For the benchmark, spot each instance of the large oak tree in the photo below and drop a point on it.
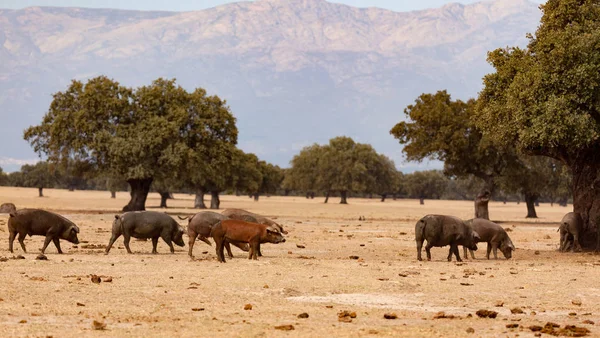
(143, 134)
(545, 99)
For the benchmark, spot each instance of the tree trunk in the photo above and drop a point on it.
(307, 195)
(214, 200)
(530, 200)
(139, 193)
(41, 192)
(344, 195)
(312, 195)
(481, 205)
(113, 194)
(256, 197)
(199, 200)
(383, 196)
(327, 197)
(586, 199)
(164, 195)
(370, 196)
(563, 202)
(421, 200)
(394, 197)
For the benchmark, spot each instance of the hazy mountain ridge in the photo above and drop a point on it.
(294, 71)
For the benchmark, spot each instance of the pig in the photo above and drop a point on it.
(200, 226)
(236, 231)
(570, 226)
(146, 224)
(7, 208)
(41, 223)
(248, 216)
(442, 230)
(251, 217)
(495, 236)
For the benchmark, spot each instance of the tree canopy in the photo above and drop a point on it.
(545, 99)
(143, 134)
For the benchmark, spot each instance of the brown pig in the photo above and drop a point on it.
(236, 231)
(200, 226)
(41, 223)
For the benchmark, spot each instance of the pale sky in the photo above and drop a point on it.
(191, 5)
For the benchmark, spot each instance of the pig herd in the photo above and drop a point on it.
(247, 231)
(239, 227)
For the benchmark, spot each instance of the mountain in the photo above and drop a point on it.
(294, 72)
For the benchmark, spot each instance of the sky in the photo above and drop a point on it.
(191, 5)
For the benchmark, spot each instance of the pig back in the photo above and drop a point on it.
(37, 221)
(145, 222)
(573, 220)
(241, 231)
(487, 230)
(445, 230)
(203, 222)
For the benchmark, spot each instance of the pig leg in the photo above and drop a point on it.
(228, 248)
(11, 239)
(489, 250)
(419, 247)
(465, 252)
(113, 238)
(454, 250)
(428, 250)
(126, 239)
(192, 235)
(576, 245)
(254, 248)
(21, 239)
(495, 248)
(57, 244)
(154, 245)
(472, 254)
(46, 242)
(219, 246)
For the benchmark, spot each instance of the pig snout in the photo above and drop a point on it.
(178, 240)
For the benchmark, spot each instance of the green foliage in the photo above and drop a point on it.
(40, 175)
(344, 166)
(545, 99)
(4, 180)
(463, 188)
(430, 184)
(271, 178)
(440, 128)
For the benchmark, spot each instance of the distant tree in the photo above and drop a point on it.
(429, 184)
(271, 179)
(114, 184)
(141, 135)
(463, 188)
(4, 180)
(303, 173)
(442, 129)
(383, 177)
(39, 175)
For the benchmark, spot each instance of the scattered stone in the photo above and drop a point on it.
(96, 325)
(108, 280)
(516, 310)
(514, 272)
(392, 315)
(329, 306)
(303, 315)
(41, 257)
(96, 279)
(499, 304)
(486, 314)
(535, 328)
(80, 304)
(196, 309)
(3, 259)
(587, 321)
(19, 257)
(466, 284)
(470, 330)
(346, 316)
(547, 237)
(22, 321)
(443, 315)
(248, 307)
(299, 246)
(573, 314)
(508, 229)
(512, 326)
(265, 286)
(576, 302)
(354, 257)
(537, 252)
(285, 327)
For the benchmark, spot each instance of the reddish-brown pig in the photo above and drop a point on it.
(236, 231)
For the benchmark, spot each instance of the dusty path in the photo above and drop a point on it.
(164, 294)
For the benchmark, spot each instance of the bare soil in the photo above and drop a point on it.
(330, 263)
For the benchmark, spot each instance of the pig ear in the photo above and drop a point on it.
(272, 229)
(476, 235)
(117, 216)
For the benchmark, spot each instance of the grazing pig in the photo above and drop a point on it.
(570, 226)
(236, 231)
(42, 223)
(441, 230)
(146, 224)
(495, 236)
(200, 226)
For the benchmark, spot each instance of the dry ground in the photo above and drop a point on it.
(172, 295)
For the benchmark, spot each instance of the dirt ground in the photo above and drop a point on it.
(313, 272)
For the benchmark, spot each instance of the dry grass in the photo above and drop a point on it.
(172, 295)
